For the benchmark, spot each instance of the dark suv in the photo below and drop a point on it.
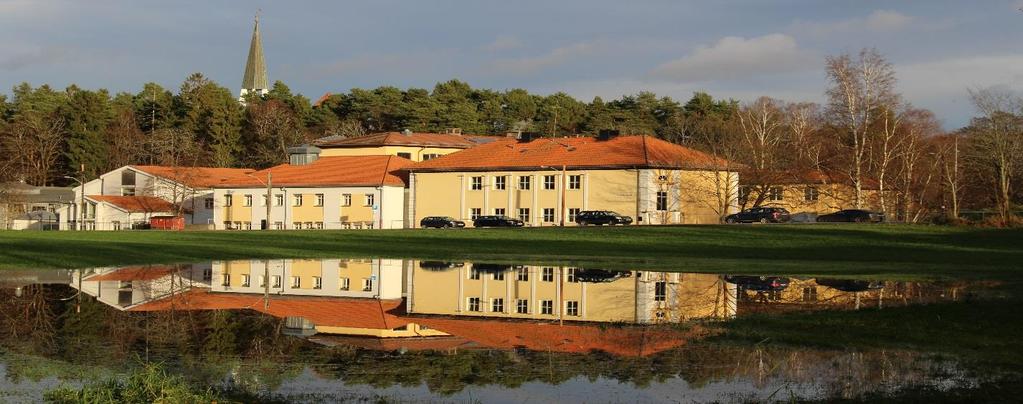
(496, 221)
(852, 215)
(599, 217)
(759, 214)
(440, 222)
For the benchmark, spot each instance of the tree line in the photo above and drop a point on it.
(865, 134)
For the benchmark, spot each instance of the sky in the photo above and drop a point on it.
(739, 49)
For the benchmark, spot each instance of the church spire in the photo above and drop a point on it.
(255, 79)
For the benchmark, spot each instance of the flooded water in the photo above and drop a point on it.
(433, 331)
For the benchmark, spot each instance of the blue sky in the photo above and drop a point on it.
(740, 48)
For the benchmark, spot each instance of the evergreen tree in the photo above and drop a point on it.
(87, 115)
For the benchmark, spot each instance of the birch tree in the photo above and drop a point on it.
(996, 141)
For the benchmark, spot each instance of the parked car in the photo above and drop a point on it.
(758, 283)
(496, 221)
(600, 217)
(759, 214)
(440, 222)
(594, 275)
(850, 285)
(852, 215)
(440, 265)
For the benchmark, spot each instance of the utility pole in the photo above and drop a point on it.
(269, 191)
(564, 181)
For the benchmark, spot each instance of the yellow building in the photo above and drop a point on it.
(807, 194)
(544, 180)
(414, 146)
(312, 192)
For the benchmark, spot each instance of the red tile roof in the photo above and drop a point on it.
(330, 171)
(448, 140)
(135, 204)
(575, 153)
(195, 177)
(133, 274)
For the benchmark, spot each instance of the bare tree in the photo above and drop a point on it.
(126, 141)
(761, 125)
(34, 141)
(889, 141)
(803, 121)
(951, 170)
(859, 88)
(271, 129)
(997, 142)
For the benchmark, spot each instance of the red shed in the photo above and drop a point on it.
(167, 223)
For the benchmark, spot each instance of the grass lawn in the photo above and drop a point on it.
(862, 250)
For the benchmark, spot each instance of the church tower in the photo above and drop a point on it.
(255, 79)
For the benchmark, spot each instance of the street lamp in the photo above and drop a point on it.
(269, 192)
(564, 179)
(79, 216)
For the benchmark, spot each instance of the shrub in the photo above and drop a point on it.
(150, 384)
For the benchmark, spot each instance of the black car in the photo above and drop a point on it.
(496, 221)
(594, 275)
(759, 283)
(600, 217)
(850, 285)
(440, 222)
(440, 265)
(852, 216)
(759, 214)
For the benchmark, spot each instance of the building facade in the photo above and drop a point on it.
(808, 194)
(545, 180)
(415, 146)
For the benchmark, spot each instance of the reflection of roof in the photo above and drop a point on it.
(321, 311)
(135, 204)
(394, 344)
(444, 140)
(133, 274)
(574, 152)
(332, 171)
(195, 177)
(544, 336)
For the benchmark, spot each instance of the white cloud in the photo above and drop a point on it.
(503, 43)
(877, 21)
(555, 57)
(736, 57)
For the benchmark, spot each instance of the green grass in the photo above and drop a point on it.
(864, 250)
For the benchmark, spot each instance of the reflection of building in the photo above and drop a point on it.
(644, 177)
(572, 294)
(126, 288)
(366, 278)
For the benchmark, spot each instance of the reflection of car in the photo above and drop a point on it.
(852, 215)
(849, 285)
(496, 221)
(759, 214)
(440, 222)
(440, 265)
(600, 217)
(594, 275)
(760, 283)
(485, 267)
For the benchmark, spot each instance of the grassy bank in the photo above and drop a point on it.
(893, 250)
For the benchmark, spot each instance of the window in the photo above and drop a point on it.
(548, 274)
(238, 225)
(319, 200)
(523, 274)
(662, 200)
(298, 200)
(570, 275)
(546, 307)
(262, 281)
(367, 284)
(774, 194)
(227, 280)
(208, 203)
(500, 182)
(344, 283)
(318, 225)
(497, 305)
(317, 282)
(475, 213)
(548, 182)
(278, 200)
(296, 282)
(474, 304)
(477, 183)
(524, 182)
(522, 306)
(572, 308)
(128, 177)
(296, 225)
(346, 200)
(499, 211)
(405, 155)
(430, 156)
(498, 276)
(548, 215)
(810, 294)
(660, 291)
(245, 280)
(572, 213)
(247, 225)
(575, 182)
(743, 194)
(474, 274)
(263, 200)
(275, 281)
(248, 200)
(524, 215)
(128, 191)
(370, 199)
(308, 225)
(811, 194)
(207, 274)
(227, 200)
(116, 224)
(278, 225)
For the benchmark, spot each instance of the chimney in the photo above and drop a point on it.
(453, 131)
(526, 137)
(607, 134)
(304, 154)
(407, 132)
